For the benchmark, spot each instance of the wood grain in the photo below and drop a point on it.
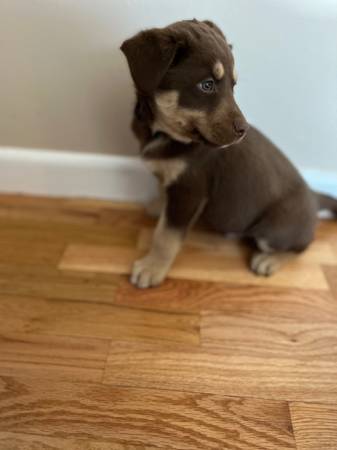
(210, 370)
(84, 319)
(139, 417)
(195, 296)
(40, 207)
(212, 359)
(331, 275)
(49, 282)
(275, 334)
(193, 264)
(24, 441)
(115, 260)
(315, 425)
(50, 232)
(54, 357)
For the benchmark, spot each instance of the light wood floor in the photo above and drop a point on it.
(215, 358)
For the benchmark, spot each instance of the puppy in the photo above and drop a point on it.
(212, 166)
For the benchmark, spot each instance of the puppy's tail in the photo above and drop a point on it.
(328, 203)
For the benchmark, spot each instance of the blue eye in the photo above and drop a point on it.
(207, 86)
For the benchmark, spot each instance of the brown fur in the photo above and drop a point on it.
(251, 188)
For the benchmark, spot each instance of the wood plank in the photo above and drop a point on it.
(25, 202)
(331, 275)
(49, 282)
(52, 356)
(45, 209)
(315, 425)
(193, 264)
(16, 251)
(289, 338)
(24, 441)
(164, 419)
(99, 320)
(319, 252)
(171, 296)
(115, 260)
(125, 218)
(40, 232)
(75, 211)
(214, 371)
(326, 231)
(193, 296)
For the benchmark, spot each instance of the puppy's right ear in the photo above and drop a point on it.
(149, 55)
(215, 28)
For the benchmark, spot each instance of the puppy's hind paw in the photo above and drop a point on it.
(264, 264)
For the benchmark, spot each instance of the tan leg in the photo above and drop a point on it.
(265, 264)
(152, 269)
(155, 206)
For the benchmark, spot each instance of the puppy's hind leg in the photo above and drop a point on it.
(285, 231)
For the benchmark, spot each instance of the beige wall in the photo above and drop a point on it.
(64, 84)
(63, 80)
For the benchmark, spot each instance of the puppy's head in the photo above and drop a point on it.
(187, 70)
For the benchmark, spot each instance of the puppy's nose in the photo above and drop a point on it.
(240, 127)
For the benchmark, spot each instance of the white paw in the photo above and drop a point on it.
(147, 272)
(264, 264)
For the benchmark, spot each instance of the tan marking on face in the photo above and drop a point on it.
(235, 74)
(168, 171)
(218, 70)
(178, 122)
(172, 118)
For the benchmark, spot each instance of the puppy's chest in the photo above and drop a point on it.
(167, 170)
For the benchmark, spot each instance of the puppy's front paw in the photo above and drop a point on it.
(264, 264)
(148, 272)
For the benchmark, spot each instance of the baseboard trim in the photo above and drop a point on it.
(70, 174)
(111, 177)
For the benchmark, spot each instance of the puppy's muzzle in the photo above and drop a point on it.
(240, 127)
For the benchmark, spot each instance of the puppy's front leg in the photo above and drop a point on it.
(156, 206)
(166, 243)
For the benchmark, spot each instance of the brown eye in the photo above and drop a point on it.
(207, 86)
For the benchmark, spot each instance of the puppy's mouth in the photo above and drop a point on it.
(235, 142)
(199, 137)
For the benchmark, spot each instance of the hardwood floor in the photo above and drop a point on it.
(215, 358)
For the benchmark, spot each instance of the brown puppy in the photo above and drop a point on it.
(186, 119)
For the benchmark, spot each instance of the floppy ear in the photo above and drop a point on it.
(218, 31)
(149, 55)
(215, 28)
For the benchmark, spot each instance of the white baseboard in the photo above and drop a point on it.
(69, 174)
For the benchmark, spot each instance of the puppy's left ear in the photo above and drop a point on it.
(149, 55)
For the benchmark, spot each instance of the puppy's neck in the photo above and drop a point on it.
(156, 143)
(146, 116)
(162, 146)
(160, 126)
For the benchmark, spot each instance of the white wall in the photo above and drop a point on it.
(64, 84)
